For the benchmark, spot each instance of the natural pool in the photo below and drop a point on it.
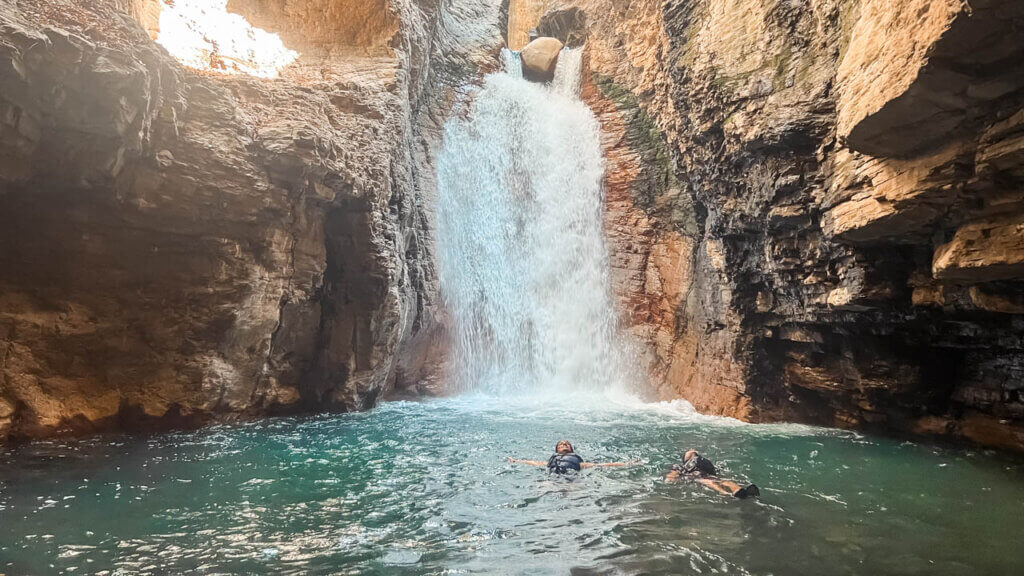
(424, 488)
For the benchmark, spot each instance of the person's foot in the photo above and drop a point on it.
(751, 490)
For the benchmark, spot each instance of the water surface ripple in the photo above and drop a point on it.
(424, 488)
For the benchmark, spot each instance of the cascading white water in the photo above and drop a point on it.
(512, 63)
(522, 259)
(568, 75)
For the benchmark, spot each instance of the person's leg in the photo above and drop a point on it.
(730, 485)
(717, 486)
(730, 488)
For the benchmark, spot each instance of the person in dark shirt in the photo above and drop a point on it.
(565, 460)
(699, 468)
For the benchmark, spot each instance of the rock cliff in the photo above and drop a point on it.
(178, 246)
(815, 209)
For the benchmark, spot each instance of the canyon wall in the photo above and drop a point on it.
(815, 208)
(180, 246)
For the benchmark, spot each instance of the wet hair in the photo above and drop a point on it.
(691, 453)
(571, 449)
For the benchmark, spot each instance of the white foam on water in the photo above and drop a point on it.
(610, 407)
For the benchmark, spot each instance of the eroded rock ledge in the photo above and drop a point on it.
(815, 210)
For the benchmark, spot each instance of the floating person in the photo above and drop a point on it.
(565, 459)
(699, 468)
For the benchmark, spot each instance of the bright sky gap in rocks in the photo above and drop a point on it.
(203, 35)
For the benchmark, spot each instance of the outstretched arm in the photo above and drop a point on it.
(603, 464)
(527, 462)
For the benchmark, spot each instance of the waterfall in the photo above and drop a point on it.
(512, 63)
(522, 260)
(568, 73)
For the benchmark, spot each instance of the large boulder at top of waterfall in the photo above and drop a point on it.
(540, 58)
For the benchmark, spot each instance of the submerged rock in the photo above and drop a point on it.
(540, 58)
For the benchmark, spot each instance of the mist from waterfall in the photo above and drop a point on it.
(521, 253)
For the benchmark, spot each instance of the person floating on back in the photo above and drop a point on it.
(699, 468)
(564, 460)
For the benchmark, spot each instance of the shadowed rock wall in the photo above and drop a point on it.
(179, 246)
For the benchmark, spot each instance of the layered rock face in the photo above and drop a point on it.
(179, 246)
(815, 210)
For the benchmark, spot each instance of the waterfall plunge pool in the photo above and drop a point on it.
(424, 488)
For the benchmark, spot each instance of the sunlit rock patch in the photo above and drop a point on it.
(203, 35)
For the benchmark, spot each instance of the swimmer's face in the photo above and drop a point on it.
(689, 454)
(563, 447)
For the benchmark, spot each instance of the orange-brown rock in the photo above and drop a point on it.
(523, 16)
(888, 47)
(326, 27)
(992, 298)
(983, 250)
(893, 199)
(987, 430)
(901, 93)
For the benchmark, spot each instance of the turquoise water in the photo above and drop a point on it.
(424, 488)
